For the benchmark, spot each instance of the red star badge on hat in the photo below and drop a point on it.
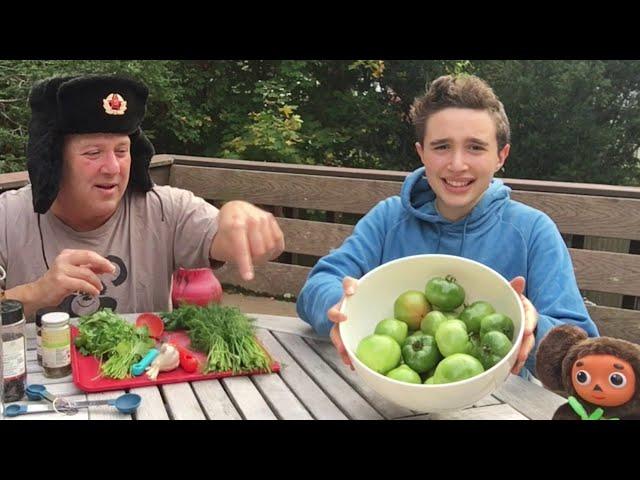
(114, 104)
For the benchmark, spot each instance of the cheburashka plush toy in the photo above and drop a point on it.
(599, 375)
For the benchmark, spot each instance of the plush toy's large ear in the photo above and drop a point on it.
(551, 352)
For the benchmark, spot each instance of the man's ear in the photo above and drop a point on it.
(502, 157)
(552, 350)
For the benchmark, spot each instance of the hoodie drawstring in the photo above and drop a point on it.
(439, 237)
(464, 234)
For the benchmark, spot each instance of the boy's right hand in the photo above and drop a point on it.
(349, 285)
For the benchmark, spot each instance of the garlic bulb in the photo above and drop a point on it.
(168, 359)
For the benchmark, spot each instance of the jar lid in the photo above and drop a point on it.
(43, 311)
(55, 318)
(11, 311)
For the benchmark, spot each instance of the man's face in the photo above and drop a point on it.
(460, 154)
(95, 173)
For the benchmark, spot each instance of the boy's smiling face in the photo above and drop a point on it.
(460, 155)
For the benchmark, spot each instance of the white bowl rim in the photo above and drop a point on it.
(517, 341)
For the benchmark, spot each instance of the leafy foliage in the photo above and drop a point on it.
(571, 120)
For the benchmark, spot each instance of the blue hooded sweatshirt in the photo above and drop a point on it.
(510, 237)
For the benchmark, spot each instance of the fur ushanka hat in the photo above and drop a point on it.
(83, 104)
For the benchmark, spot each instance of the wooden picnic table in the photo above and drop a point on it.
(313, 383)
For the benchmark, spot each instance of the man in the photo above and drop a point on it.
(92, 230)
(462, 138)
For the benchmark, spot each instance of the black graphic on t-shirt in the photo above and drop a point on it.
(78, 304)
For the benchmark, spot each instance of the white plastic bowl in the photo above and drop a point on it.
(373, 301)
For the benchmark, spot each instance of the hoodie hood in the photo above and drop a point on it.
(419, 200)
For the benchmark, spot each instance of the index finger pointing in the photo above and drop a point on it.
(242, 253)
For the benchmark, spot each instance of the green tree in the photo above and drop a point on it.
(570, 120)
(173, 119)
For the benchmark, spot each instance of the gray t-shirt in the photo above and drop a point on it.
(147, 238)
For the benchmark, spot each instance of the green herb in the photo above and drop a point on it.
(117, 343)
(225, 333)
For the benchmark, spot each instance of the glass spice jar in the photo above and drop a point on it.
(56, 345)
(39, 315)
(14, 350)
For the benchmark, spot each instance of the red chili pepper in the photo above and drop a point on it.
(188, 361)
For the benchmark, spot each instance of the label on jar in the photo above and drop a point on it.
(56, 348)
(13, 358)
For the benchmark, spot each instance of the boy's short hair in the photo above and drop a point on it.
(460, 91)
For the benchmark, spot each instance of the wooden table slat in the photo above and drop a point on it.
(38, 377)
(181, 402)
(281, 399)
(152, 406)
(215, 401)
(248, 399)
(330, 355)
(529, 399)
(491, 412)
(314, 399)
(486, 401)
(336, 388)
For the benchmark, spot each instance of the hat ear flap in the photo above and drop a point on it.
(44, 163)
(45, 143)
(141, 153)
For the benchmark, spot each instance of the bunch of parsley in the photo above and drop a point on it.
(117, 343)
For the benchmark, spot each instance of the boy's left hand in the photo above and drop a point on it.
(530, 322)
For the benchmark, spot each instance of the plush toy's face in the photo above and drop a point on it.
(603, 380)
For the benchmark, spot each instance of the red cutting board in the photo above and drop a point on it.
(87, 377)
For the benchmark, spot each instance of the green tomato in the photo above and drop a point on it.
(494, 346)
(459, 366)
(429, 381)
(498, 322)
(403, 373)
(458, 322)
(420, 352)
(444, 293)
(428, 374)
(410, 308)
(452, 337)
(380, 353)
(474, 346)
(431, 322)
(474, 313)
(448, 313)
(394, 328)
